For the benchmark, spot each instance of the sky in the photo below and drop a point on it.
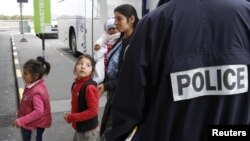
(11, 7)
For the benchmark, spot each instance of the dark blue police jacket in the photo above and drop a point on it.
(187, 67)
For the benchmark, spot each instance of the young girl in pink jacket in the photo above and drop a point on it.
(34, 114)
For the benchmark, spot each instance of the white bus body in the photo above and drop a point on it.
(80, 25)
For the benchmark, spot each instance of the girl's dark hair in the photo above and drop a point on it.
(38, 66)
(90, 58)
(128, 11)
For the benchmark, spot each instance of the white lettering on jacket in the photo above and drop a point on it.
(216, 80)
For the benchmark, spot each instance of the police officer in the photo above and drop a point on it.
(187, 68)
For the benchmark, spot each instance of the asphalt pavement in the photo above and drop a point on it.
(8, 99)
(58, 81)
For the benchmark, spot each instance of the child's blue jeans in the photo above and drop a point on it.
(27, 134)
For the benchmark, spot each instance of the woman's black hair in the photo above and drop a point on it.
(128, 11)
(38, 66)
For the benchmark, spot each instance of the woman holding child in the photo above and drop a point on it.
(125, 20)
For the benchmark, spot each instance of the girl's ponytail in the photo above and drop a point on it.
(47, 67)
(45, 64)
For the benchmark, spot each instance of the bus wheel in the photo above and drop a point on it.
(73, 44)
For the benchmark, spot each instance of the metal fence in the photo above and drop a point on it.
(16, 25)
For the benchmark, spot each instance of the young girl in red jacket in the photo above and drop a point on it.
(84, 111)
(34, 114)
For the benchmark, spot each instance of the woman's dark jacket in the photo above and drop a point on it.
(110, 85)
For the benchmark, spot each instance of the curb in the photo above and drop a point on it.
(17, 70)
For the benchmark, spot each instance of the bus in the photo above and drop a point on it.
(80, 22)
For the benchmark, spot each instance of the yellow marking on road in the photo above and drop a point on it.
(20, 90)
(18, 73)
(16, 61)
(15, 53)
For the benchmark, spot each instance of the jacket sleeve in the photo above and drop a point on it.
(92, 104)
(102, 40)
(35, 114)
(131, 86)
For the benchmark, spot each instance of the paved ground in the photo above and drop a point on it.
(59, 80)
(8, 99)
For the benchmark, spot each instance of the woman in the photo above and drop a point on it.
(125, 20)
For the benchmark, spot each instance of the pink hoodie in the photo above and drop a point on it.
(35, 108)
